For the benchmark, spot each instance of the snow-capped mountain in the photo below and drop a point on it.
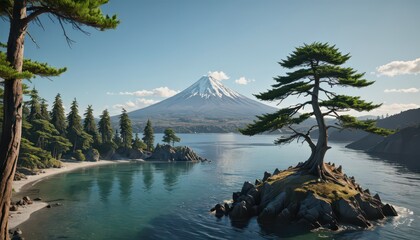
(205, 106)
(206, 98)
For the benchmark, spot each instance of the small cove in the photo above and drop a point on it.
(172, 200)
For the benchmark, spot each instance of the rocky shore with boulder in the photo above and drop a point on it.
(168, 153)
(294, 197)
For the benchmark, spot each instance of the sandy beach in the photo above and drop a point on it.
(24, 212)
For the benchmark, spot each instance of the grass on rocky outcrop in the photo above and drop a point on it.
(299, 182)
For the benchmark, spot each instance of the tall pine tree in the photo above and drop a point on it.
(58, 117)
(89, 125)
(79, 138)
(318, 66)
(126, 130)
(105, 127)
(20, 13)
(148, 136)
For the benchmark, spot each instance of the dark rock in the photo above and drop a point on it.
(277, 171)
(168, 153)
(19, 176)
(235, 196)
(246, 187)
(227, 208)
(377, 197)
(285, 216)
(257, 182)
(312, 208)
(273, 208)
(266, 176)
(256, 195)
(348, 213)
(239, 211)
(27, 200)
(389, 210)
(340, 169)
(370, 211)
(14, 208)
(38, 199)
(266, 194)
(48, 206)
(220, 210)
(366, 191)
(17, 232)
(92, 155)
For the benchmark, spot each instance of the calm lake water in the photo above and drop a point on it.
(172, 200)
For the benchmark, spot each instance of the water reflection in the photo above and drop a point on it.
(105, 182)
(410, 162)
(125, 181)
(172, 171)
(147, 171)
(82, 188)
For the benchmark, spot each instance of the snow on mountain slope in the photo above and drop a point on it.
(206, 98)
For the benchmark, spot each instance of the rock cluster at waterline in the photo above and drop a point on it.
(169, 153)
(294, 197)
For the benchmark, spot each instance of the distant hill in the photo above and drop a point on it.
(205, 106)
(402, 120)
(404, 142)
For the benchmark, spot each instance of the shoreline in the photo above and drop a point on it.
(23, 214)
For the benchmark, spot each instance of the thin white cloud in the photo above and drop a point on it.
(157, 92)
(243, 81)
(402, 90)
(395, 68)
(218, 75)
(393, 108)
(137, 104)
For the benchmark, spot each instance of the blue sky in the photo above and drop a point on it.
(162, 47)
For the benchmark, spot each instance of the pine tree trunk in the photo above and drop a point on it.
(316, 163)
(12, 122)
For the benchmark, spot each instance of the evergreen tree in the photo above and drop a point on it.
(319, 66)
(58, 118)
(117, 139)
(105, 127)
(79, 138)
(126, 130)
(148, 136)
(137, 143)
(170, 136)
(44, 110)
(89, 125)
(34, 106)
(14, 69)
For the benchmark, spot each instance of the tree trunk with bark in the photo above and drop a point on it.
(315, 163)
(12, 122)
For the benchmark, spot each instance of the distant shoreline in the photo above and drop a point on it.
(18, 217)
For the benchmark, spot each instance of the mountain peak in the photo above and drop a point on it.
(208, 87)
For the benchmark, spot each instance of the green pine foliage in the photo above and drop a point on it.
(126, 130)
(148, 136)
(138, 144)
(34, 106)
(44, 110)
(75, 133)
(170, 137)
(117, 139)
(105, 127)
(58, 118)
(89, 125)
(318, 65)
(313, 68)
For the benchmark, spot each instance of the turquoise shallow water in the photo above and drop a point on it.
(172, 200)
